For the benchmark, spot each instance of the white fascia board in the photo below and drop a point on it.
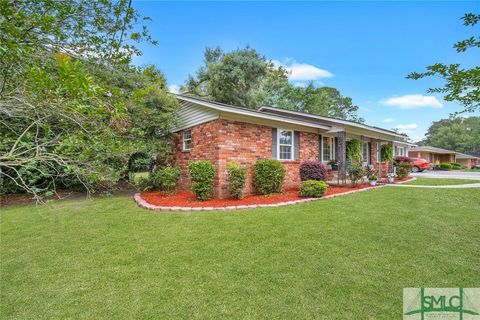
(344, 122)
(255, 114)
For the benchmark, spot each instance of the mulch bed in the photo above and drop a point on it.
(187, 199)
(397, 180)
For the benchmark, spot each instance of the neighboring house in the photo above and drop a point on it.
(467, 160)
(223, 133)
(432, 154)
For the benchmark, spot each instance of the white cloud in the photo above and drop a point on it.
(365, 109)
(413, 101)
(388, 120)
(303, 71)
(173, 88)
(407, 128)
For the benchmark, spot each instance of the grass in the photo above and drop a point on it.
(440, 182)
(346, 258)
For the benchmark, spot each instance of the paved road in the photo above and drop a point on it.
(448, 175)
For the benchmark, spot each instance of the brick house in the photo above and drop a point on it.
(432, 154)
(223, 133)
(467, 160)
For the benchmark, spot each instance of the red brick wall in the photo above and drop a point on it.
(223, 141)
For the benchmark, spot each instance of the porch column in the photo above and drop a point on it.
(379, 158)
(341, 156)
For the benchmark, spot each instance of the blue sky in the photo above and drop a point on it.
(365, 49)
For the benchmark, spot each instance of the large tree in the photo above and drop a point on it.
(462, 84)
(245, 78)
(458, 134)
(72, 108)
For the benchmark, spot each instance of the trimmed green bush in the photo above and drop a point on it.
(353, 149)
(202, 174)
(313, 188)
(456, 166)
(403, 169)
(166, 178)
(445, 166)
(268, 176)
(237, 178)
(386, 152)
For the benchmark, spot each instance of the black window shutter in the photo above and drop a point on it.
(320, 147)
(369, 144)
(296, 145)
(274, 143)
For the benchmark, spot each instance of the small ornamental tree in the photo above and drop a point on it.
(202, 174)
(356, 173)
(237, 177)
(313, 170)
(268, 176)
(403, 169)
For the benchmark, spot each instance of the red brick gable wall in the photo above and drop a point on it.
(223, 141)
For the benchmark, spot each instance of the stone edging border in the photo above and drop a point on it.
(142, 203)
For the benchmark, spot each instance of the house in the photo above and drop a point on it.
(223, 133)
(467, 160)
(432, 154)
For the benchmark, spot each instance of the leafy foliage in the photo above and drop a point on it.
(268, 176)
(355, 173)
(461, 84)
(459, 134)
(313, 188)
(237, 178)
(245, 78)
(165, 179)
(202, 174)
(403, 169)
(353, 151)
(72, 109)
(386, 152)
(445, 166)
(313, 170)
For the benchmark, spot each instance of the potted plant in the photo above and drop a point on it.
(334, 164)
(372, 179)
(390, 177)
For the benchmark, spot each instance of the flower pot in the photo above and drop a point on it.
(390, 179)
(373, 182)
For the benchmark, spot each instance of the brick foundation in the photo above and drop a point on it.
(222, 141)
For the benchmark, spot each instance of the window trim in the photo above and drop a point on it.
(365, 151)
(292, 151)
(184, 140)
(332, 151)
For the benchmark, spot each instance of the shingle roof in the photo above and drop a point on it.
(466, 156)
(432, 149)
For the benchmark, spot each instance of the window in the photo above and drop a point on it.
(187, 139)
(285, 144)
(365, 153)
(327, 149)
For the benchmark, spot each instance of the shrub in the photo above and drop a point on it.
(353, 149)
(399, 159)
(312, 188)
(313, 170)
(237, 177)
(201, 177)
(166, 178)
(268, 176)
(403, 169)
(372, 177)
(456, 166)
(386, 152)
(445, 166)
(355, 172)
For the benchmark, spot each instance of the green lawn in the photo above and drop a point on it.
(345, 258)
(440, 181)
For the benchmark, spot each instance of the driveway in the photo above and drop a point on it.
(447, 174)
